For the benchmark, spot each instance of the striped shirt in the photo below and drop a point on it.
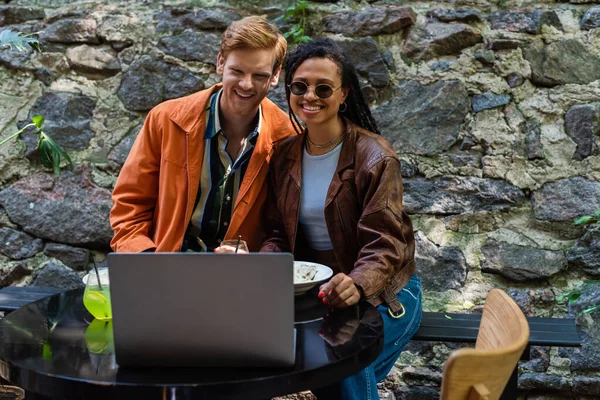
(220, 180)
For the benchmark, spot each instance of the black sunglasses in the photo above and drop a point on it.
(322, 90)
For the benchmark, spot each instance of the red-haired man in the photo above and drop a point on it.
(196, 174)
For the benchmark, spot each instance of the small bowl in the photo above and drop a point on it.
(323, 273)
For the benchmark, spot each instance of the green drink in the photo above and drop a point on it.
(97, 301)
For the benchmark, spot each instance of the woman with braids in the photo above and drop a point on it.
(335, 197)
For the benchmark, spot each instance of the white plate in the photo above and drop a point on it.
(323, 273)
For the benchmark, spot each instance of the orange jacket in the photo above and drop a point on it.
(154, 196)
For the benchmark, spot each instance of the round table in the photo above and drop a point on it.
(44, 349)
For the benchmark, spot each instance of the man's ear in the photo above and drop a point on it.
(275, 77)
(220, 63)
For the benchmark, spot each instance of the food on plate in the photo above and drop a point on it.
(304, 272)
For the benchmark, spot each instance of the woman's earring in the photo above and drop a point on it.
(345, 107)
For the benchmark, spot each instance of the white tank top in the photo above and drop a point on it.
(317, 172)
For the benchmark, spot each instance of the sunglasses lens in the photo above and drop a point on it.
(323, 91)
(298, 88)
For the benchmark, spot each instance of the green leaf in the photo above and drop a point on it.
(573, 297)
(583, 220)
(303, 39)
(38, 120)
(591, 309)
(51, 154)
(10, 39)
(289, 14)
(597, 213)
(447, 316)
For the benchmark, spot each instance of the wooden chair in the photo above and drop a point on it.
(483, 372)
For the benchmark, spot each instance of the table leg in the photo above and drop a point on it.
(35, 396)
(331, 392)
(510, 391)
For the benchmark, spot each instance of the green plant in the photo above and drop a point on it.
(573, 295)
(297, 14)
(588, 219)
(576, 293)
(51, 154)
(20, 41)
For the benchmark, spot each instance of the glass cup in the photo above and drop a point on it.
(96, 297)
(230, 245)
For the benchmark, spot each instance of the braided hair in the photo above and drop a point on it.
(357, 109)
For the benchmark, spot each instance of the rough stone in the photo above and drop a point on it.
(459, 195)
(367, 59)
(589, 385)
(277, 96)
(563, 62)
(582, 124)
(540, 360)
(590, 296)
(489, 100)
(193, 46)
(16, 59)
(585, 253)
(504, 43)
(179, 19)
(587, 357)
(416, 393)
(590, 20)
(515, 79)
(121, 30)
(455, 15)
(120, 152)
(73, 257)
(422, 376)
(370, 21)
(11, 15)
(485, 56)
(524, 21)
(423, 119)
(67, 209)
(12, 273)
(71, 31)
(438, 39)
(18, 245)
(93, 61)
(566, 199)
(58, 276)
(533, 133)
(531, 381)
(433, 261)
(67, 120)
(521, 263)
(149, 81)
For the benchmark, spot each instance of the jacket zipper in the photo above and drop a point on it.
(297, 218)
(187, 172)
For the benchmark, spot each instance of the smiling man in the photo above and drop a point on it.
(196, 174)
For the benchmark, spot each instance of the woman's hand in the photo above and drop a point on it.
(339, 292)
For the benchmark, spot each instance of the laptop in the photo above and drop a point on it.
(203, 309)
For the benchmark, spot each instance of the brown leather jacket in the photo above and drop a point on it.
(372, 236)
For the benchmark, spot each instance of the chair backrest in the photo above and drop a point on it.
(482, 373)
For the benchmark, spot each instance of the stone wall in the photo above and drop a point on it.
(493, 107)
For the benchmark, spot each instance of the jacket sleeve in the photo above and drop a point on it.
(136, 191)
(276, 240)
(380, 227)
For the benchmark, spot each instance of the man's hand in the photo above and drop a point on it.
(229, 249)
(339, 292)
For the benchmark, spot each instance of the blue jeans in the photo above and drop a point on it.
(396, 333)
